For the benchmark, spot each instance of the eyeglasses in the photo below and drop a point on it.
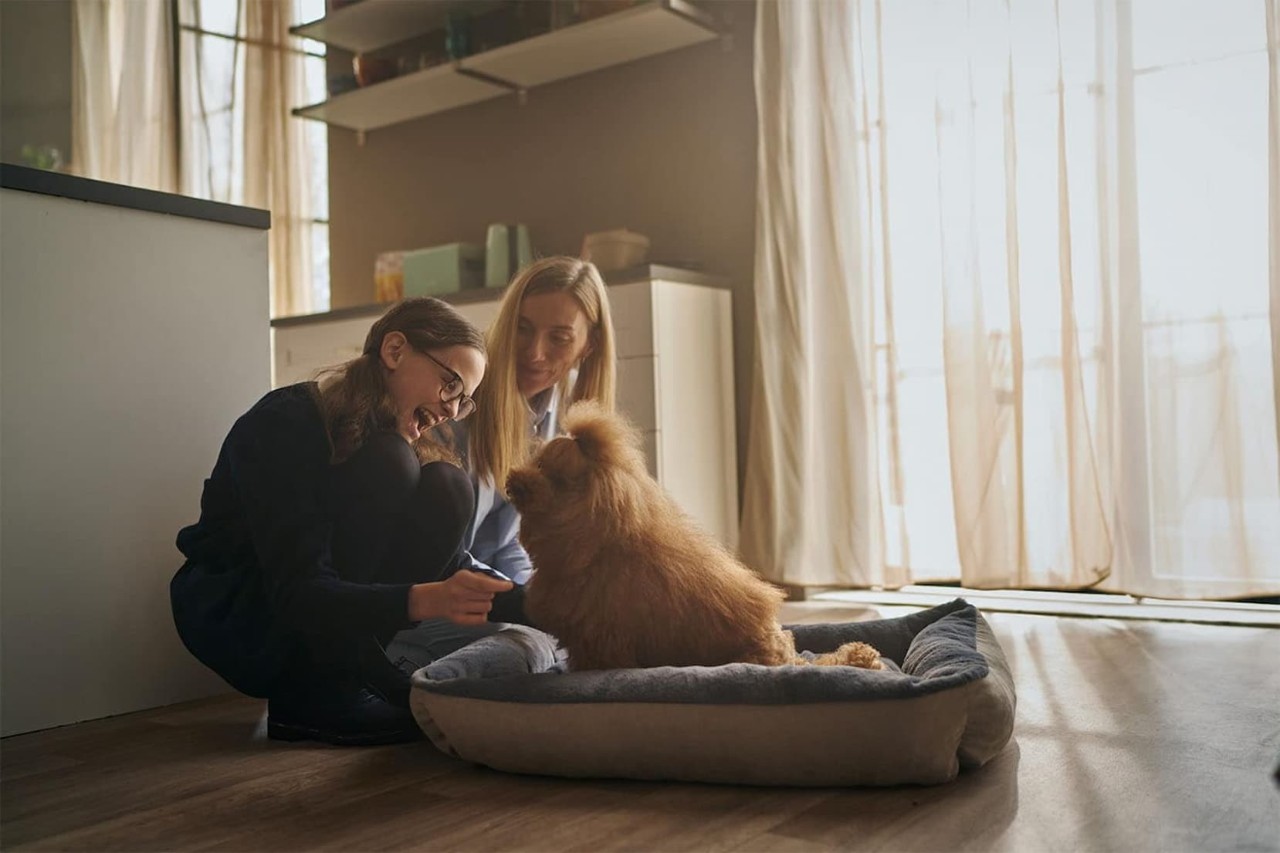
(451, 392)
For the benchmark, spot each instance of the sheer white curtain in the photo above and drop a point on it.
(1061, 227)
(123, 123)
(239, 144)
(812, 504)
(276, 157)
(1273, 172)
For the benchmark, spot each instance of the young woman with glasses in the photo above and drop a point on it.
(551, 345)
(332, 520)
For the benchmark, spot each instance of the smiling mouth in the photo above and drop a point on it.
(425, 419)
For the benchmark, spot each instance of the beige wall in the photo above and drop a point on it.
(35, 76)
(665, 146)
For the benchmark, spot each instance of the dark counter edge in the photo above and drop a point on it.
(13, 177)
(630, 275)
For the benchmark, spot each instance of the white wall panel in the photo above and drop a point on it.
(129, 343)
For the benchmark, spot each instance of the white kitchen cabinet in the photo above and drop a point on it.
(675, 381)
(675, 378)
(134, 333)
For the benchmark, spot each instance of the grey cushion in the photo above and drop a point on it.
(945, 702)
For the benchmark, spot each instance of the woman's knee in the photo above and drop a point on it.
(445, 492)
(385, 466)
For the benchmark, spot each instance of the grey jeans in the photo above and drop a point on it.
(432, 639)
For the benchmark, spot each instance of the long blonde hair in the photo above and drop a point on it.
(499, 431)
(353, 396)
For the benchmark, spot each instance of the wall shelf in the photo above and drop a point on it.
(432, 90)
(609, 40)
(370, 24)
(634, 33)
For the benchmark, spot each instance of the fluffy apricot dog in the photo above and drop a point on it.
(623, 578)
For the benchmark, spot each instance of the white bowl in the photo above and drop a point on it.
(615, 250)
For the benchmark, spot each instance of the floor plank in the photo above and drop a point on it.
(1130, 735)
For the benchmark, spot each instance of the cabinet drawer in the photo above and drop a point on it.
(637, 397)
(632, 308)
(300, 351)
(700, 477)
(480, 314)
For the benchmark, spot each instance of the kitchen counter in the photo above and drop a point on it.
(643, 272)
(135, 331)
(44, 182)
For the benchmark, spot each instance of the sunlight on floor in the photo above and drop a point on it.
(1083, 605)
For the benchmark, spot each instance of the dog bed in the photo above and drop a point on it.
(944, 702)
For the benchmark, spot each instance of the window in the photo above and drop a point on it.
(216, 44)
(1144, 224)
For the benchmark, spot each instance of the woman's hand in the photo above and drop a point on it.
(464, 598)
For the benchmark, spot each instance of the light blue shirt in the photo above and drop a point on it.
(491, 540)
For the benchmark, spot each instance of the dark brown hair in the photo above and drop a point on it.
(353, 396)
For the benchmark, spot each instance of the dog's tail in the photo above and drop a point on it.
(850, 654)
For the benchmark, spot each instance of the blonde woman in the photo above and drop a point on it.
(551, 345)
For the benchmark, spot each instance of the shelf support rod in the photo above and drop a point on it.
(487, 78)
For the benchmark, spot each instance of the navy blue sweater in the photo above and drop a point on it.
(258, 567)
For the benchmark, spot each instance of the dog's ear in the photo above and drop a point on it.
(601, 436)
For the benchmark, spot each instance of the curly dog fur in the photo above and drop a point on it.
(623, 578)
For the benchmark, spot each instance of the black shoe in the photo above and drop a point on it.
(343, 717)
(379, 673)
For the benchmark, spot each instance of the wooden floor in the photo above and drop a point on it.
(1130, 736)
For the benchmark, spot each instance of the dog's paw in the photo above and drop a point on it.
(860, 655)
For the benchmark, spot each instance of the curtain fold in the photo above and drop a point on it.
(239, 143)
(1013, 424)
(275, 152)
(123, 115)
(1023, 271)
(1273, 185)
(811, 504)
